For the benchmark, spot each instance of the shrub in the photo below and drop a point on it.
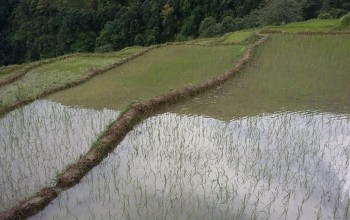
(228, 24)
(324, 15)
(276, 12)
(345, 20)
(180, 38)
(104, 49)
(209, 27)
(139, 40)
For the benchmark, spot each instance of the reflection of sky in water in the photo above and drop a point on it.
(283, 165)
(41, 139)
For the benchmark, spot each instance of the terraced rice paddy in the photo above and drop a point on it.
(56, 136)
(273, 143)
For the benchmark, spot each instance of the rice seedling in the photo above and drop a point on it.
(39, 141)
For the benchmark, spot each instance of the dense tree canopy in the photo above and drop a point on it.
(36, 29)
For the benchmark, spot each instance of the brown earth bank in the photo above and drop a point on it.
(114, 135)
(31, 206)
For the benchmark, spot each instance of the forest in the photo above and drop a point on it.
(38, 29)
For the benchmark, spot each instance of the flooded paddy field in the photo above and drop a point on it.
(272, 143)
(293, 73)
(283, 165)
(39, 140)
(155, 73)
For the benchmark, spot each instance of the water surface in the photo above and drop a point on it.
(272, 166)
(40, 140)
(291, 73)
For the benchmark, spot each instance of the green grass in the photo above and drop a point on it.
(344, 23)
(315, 25)
(56, 74)
(237, 37)
(155, 73)
(296, 73)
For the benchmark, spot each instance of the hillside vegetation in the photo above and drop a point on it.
(38, 29)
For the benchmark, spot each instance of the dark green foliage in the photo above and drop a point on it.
(209, 28)
(324, 15)
(228, 24)
(345, 20)
(277, 12)
(104, 48)
(139, 40)
(37, 29)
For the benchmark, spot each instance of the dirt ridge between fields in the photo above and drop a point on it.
(114, 134)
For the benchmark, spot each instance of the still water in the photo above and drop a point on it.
(40, 140)
(286, 165)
